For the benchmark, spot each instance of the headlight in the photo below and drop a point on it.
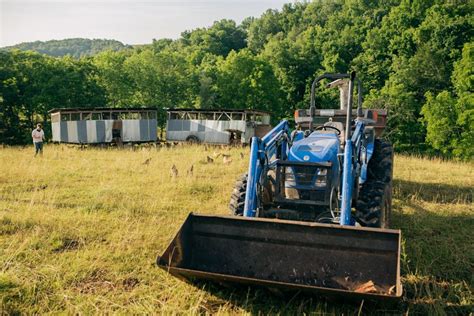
(321, 178)
(290, 177)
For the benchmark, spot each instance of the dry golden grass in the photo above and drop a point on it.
(80, 231)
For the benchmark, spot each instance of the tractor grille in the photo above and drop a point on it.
(304, 183)
(305, 177)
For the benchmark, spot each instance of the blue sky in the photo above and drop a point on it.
(131, 22)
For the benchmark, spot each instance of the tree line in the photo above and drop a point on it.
(74, 47)
(414, 57)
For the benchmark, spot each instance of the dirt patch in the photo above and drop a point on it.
(96, 282)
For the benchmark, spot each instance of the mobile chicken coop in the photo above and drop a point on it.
(104, 125)
(216, 126)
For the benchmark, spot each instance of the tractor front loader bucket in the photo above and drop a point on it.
(331, 260)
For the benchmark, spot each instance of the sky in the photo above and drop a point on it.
(129, 21)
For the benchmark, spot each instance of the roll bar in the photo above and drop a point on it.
(335, 76)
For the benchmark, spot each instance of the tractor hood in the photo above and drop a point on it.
(317, 147)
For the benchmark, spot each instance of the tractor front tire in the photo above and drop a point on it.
(374, 204)
(237, 199)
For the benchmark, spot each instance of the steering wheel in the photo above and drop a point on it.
(324, 127)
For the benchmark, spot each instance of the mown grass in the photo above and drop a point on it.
(80, 231)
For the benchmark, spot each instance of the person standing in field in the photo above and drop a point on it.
(38, 137)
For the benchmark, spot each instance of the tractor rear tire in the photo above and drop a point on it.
(374, 205)
(237, 199)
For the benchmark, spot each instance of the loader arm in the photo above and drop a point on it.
(353, 164)
(351, 146)
(272, 145)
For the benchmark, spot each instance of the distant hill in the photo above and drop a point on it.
(76, 47)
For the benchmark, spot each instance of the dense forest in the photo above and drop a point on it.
(75, 47)
(415, 58)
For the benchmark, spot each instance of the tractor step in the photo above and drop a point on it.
(331, 260)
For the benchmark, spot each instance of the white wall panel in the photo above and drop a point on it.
(91, 127)
(108, 130)
(130, 130)
(56, 130)
(72, 136)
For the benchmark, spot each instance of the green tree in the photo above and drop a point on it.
(10, 88)
(75, 47)
(32, 84)
(161, 80)
(450, 119)
(408, 53)
(439, 114)
(220, 39)
(260, 30)
(245, 81)
(114, 78)
(426, 51)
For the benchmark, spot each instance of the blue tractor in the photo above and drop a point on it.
(311, 214)
(322, 170)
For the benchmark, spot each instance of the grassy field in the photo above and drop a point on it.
(80, 231)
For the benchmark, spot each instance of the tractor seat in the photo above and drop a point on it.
(337, 125)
